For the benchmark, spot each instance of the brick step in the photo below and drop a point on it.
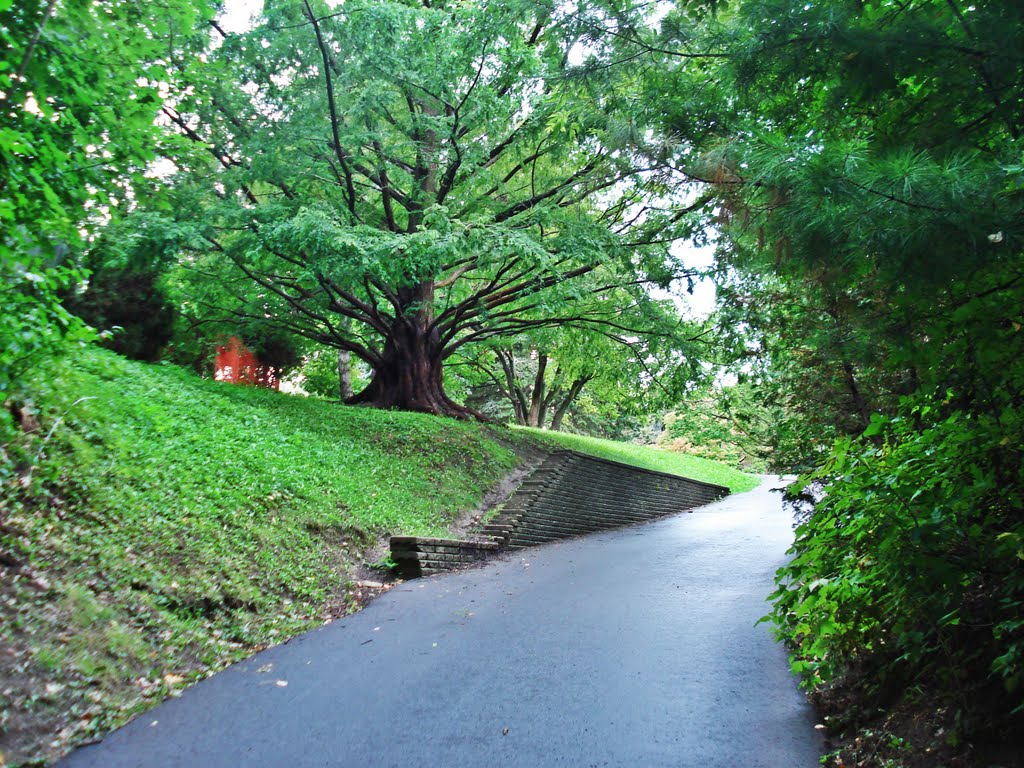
(434, 557)
(614, 486)
(555, 527)
(606, 480)
(499, 535)
(497, 530)
(605, 507)
(589, 521)
(471, 549)
(635, 508)
(615, 489)
(592, 512)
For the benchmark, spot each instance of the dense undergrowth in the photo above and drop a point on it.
(904, 600)
(155, 527)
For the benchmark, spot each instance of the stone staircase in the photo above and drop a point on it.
(569, 494)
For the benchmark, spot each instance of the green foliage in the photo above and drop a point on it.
(78, 95)
(441, 183)
(318, 374)
(814, 358)
(872, 211)
(911, 561)
(724, 423)
(131, 307)
(595, 379)
(33, 323)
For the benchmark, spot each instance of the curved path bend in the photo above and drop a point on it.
(635, 647)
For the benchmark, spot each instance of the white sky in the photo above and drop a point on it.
(701, 303)
(238, 14)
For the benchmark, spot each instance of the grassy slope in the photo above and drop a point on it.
(652, 458)
(172, 525)
(175, 524)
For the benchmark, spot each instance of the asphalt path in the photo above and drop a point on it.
(635, 647)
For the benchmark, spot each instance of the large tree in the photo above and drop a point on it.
(399, 181)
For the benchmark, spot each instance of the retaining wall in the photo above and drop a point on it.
(569, 494)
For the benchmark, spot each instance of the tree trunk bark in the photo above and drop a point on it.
(345, 374)
(570, 398)
(536, 415)
(409, 374)
(514, 392)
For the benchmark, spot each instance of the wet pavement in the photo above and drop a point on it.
(636, 647)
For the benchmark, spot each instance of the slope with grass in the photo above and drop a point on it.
(159, 525)
(155, 527)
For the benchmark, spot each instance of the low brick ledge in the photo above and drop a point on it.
(429, 544)
(421, 555)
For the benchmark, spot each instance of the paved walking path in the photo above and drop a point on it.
(635, 647)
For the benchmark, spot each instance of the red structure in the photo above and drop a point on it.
(237, 364)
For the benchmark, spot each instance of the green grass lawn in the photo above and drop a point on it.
(159, 526)
(671, 462)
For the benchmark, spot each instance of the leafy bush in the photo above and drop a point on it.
(910, 564)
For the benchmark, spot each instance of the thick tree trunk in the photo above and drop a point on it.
(409, 374)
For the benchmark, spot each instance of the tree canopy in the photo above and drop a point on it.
(399, 181)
